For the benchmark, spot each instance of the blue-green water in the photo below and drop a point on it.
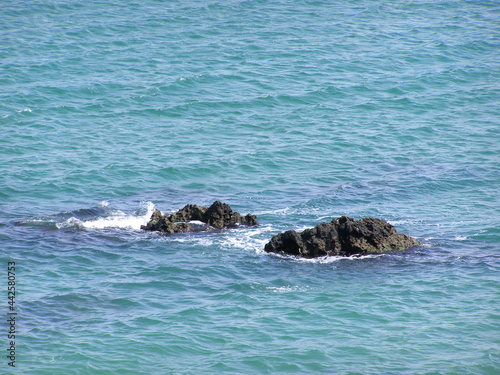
(297, 111)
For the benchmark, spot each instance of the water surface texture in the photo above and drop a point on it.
(296, 111)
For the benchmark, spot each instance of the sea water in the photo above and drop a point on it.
(296, 111)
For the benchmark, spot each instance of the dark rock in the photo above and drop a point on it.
(289, 242)
(343, 236)
(250, 220)
(162, 223)
(219, 215)
(190, 212)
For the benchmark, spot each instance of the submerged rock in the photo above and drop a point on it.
(219, 215)
(343, 236)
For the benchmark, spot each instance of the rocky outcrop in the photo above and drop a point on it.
(219, 215)
(343, 236)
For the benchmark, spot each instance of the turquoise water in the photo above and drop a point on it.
(297, 112)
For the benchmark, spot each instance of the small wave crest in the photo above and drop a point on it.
(109, 219)
(287, 289)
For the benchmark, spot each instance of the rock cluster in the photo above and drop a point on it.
(343, 236)
(219, 215)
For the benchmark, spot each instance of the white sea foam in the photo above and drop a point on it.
(196, 222)
(104, 204)
(280, 211)
(117, 219)
(189, 239)
(125, 221)
(121, 220)
(250, 238)
(326, 259)
(72, 222)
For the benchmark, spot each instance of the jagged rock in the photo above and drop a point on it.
(163, 223)
(219, 215)
(190, 212)
(343, 236)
